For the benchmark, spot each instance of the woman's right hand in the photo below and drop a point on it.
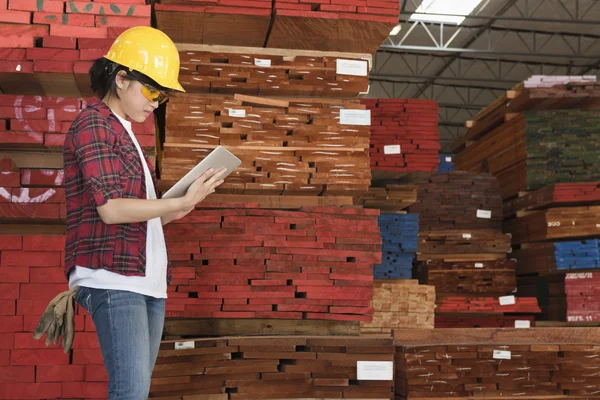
(202, 187)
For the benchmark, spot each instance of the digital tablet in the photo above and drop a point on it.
(217, 159)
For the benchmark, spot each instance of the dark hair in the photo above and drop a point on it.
(102, 77)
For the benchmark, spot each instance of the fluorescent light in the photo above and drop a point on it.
(396, 30)
(433, 10)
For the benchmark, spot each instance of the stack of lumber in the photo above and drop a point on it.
(257, 368)
(497, 363)
(300, 146)
(555, 223)
(400, 304)
(399, 234)
(480, 244)
(238, 261)
(272, 72)
(583, 296)
(446, 162)
(548, 258)
(404, 135)
(459, 200)
(544, 81)
(560, 194)
(392, 197)
(538, 148)
(488, 305)
(348, 25)
(47, 46)
(31, 194)
(484, 277)
(497, 321)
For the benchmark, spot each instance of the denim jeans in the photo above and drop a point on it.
(129, 328)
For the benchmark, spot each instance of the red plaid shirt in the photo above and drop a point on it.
(102, 163)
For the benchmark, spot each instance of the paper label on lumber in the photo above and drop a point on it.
(448, 159)
(507, 300)
(392, 149)
(184, 345)
(501, 355)
(467, 236)
(237, 113)
(355, 117)
(375, 370)
(351, 67)
(261, 62)
(580, 275)
(522, 324)
(478, 265)
(487, 214)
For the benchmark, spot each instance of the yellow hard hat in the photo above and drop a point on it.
(149, 51)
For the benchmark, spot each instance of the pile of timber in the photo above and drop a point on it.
(555, 223)
(473, 321)
(538, 148)
(404, 135)
(258, 368)
(480, 244)
(504, 304)
(495, 277)
(392, 197)
(352, 25)
(400, 304)
(574, 297)
(48, 46)
(549, 258)
(543, 81)
(399, 245)
(459, 200)
(497, 363)
(245, 262)
(31, 194)
(300, 146)
(560, 194)
(272, 72)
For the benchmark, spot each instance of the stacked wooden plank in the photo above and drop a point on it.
(212, 21)
(237, 261)
(548, 258)
(489, 305)
(560, 194)
(470, 321)
(300, 146)
(272, 72)
(538, 148)
(400, 304)
(497, 363)
(399, 234)
(46, 47)
(480, 244)
(555, 223)
(339, 25)
(392, 197)
(544, 81)
(257, 368)
(404, 135)
(583, 296)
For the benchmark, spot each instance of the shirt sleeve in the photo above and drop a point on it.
(93, 144)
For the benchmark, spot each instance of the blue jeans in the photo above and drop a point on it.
(129, 328)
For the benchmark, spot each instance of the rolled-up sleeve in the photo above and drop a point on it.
(93, 145)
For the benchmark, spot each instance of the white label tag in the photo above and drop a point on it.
(375, 370)
(237, 113)
(580, 275)
(507, 300)
(392, 149)
(522, 324)
(448, 159)
(501, 355)
(184, 345)
(351, 67)
(478, 265)
(261, 62)
(484, 214)
(355, 117)
(466, 236)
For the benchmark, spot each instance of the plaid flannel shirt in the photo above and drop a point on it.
(101, 163)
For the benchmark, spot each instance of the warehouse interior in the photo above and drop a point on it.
(411, 211)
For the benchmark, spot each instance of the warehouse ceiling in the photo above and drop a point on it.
(500, 44)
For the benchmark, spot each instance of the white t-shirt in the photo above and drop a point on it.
(154, 284)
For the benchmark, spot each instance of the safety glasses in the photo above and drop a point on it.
(152, 94)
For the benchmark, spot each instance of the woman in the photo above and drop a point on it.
(115, 246)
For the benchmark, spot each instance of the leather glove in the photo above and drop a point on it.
(58, 320)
